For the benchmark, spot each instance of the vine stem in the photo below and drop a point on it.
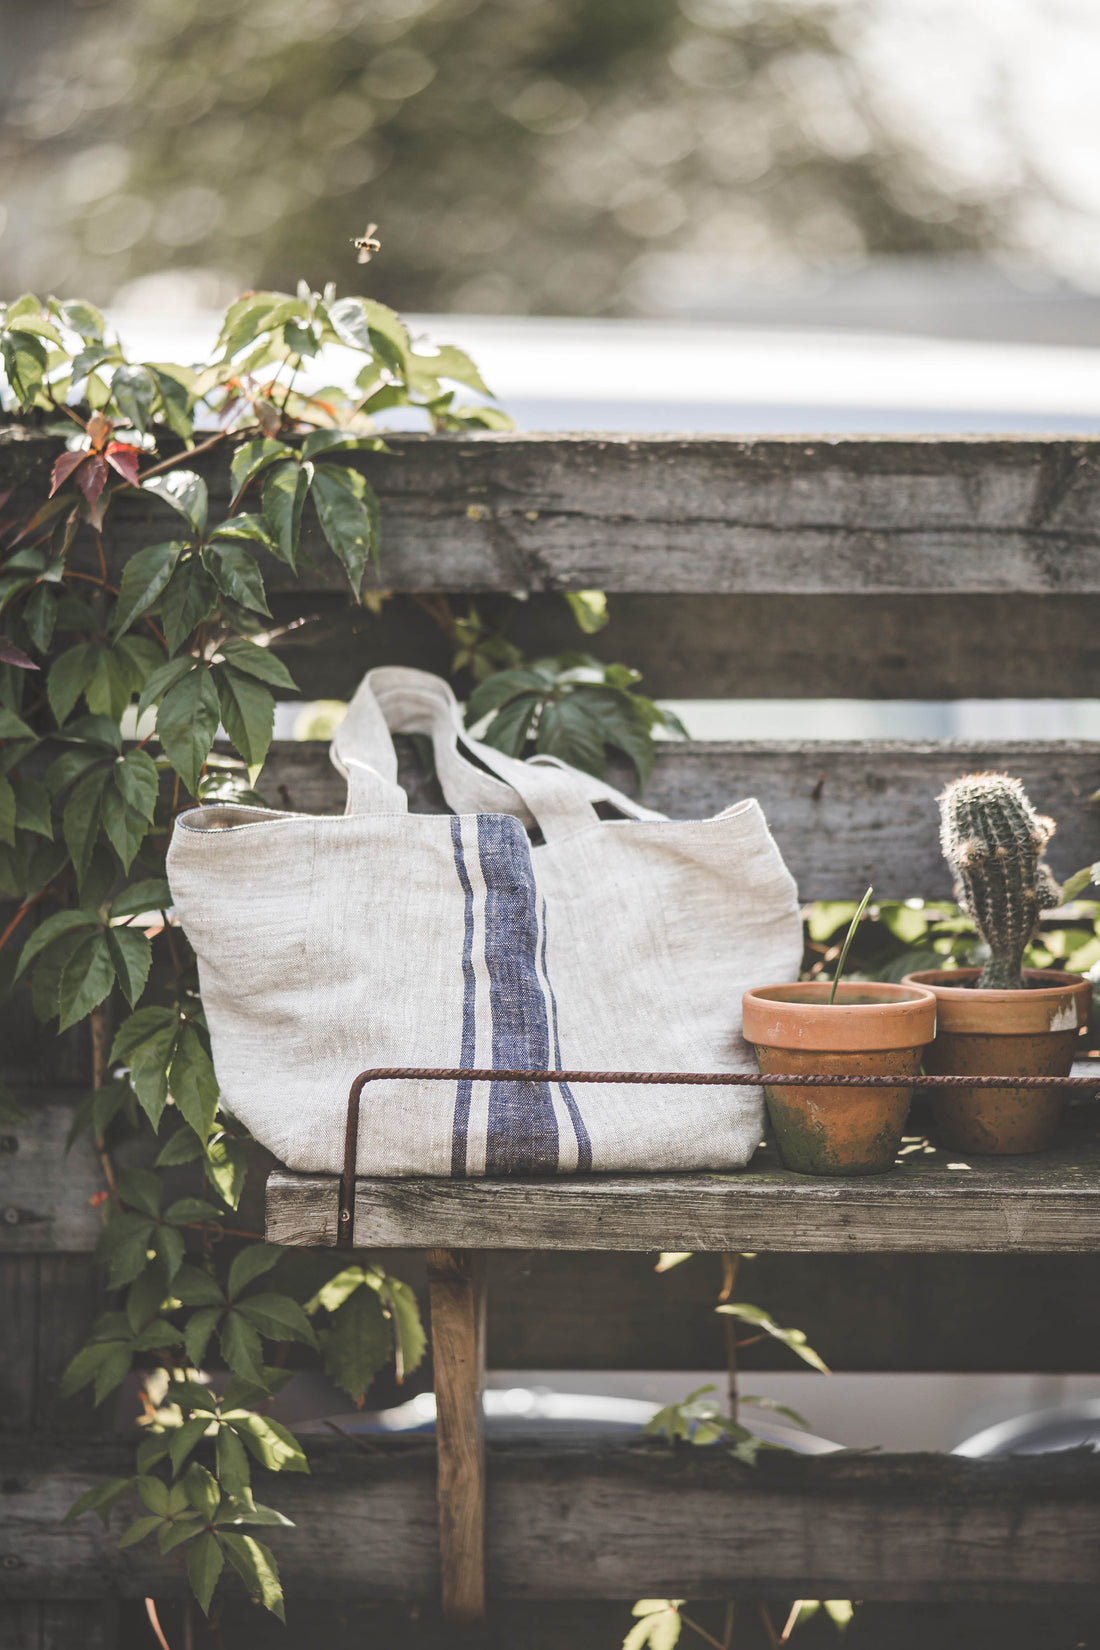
(222, 1231)
(98, 1022)
(769, 1627)
(789, 1624)
(702, 1632)
(730, 1263)
(154, 1622)
(21, 913)
(191, 452)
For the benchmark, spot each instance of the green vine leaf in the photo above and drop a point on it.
(186, 724)
(143, 578)
(249, 1265)
(86, 978)
(253, 660)
(410, 1342)
(134, 390)
(285, 490)
(193, 1085)
(204, 1565)
(350, 519)
(257, 1568)
(237, 575)
(252, 459)
(185, 492)
(240, 1344)
(189, 597)
(61, 922)
(659, 1628)
(69, 676)
(131, 958)
(247, 712)
(358, 1344)
(793, 1338)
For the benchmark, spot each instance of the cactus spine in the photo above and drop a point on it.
(993, 840)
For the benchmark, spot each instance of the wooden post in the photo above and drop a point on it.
(457, 1281)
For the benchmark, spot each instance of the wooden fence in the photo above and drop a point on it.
(869, 568)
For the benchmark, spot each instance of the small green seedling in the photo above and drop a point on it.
(852, 926)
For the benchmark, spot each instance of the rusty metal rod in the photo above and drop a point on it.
(715, 1079)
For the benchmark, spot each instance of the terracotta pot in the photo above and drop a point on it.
(1029, 1033)
(870, 1028)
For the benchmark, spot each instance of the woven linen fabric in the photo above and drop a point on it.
(330, 943)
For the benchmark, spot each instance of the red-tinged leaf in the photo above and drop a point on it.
(99, 430)
(12, 655)
(93, 477)
(125, 460)
(63, 469)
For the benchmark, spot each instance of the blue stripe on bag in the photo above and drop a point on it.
(523, 1130)
(469, 1045)
(584, 1144)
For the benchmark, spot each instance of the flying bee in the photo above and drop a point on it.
(366, 245)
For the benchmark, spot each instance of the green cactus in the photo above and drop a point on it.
(993, 840)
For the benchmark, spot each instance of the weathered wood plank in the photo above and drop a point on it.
(44, 1194)
(47, 1303)
(1014, 1313)
(456, 1281)
(696, 513)
(843, 814)
(1049, 1203)
(608, 1523)
(743, 646)
(599, 1625)
(602, 1309)
(50, 1624)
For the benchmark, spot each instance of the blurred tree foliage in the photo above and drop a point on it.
(519, 155)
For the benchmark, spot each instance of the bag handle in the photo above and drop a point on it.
(543, 791)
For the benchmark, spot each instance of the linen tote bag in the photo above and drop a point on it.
(330, 943)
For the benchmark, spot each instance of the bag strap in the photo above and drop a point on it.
(362, 751)
(395, 699)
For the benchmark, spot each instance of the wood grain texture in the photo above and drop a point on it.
(874, 514)
(44, 1194)
(47, 1304)
(740, 646)
(868, 1312)
(60, 1625)
(843, 814)
(1049, 1203)
(600, 1625)
(573, 1523)
(456, 1281)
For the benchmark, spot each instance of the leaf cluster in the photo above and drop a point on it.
(118, 673)
(573, 707)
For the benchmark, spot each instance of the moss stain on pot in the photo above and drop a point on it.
(870, 1028)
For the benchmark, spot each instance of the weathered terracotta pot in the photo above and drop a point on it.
(1030, 1033)
(870, 1028)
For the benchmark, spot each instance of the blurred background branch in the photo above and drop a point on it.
(577, 157)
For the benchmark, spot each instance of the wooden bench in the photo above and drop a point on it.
(680, 523)
(848, 568)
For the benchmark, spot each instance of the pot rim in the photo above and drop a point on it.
(1060, 1006)
(797, 1015)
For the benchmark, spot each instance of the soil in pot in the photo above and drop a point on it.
(870, 1028)
(1029, 1033)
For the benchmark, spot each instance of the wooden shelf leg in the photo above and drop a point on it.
(457, 1281)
